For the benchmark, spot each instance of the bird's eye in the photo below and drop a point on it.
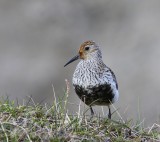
(87, 48)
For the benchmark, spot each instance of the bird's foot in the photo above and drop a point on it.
(109, 115)
(92, 112)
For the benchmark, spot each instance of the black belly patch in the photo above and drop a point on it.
(99, 95)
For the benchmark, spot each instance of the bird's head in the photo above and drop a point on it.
(87, 50)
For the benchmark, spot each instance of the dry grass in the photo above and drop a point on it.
(37, 123)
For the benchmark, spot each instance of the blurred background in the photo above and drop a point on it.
(38, 37)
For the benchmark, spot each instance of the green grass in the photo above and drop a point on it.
(45, 123)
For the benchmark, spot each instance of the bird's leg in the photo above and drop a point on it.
(109, 113)
(92, 112)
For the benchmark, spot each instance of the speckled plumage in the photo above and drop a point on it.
(94, 82)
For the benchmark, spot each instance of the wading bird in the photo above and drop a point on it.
(94, 82)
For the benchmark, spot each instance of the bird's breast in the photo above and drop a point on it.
(88, 74)
(95, 82)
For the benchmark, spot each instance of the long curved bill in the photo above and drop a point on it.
(72, 60)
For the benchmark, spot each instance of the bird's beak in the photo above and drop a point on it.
(72, 60)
